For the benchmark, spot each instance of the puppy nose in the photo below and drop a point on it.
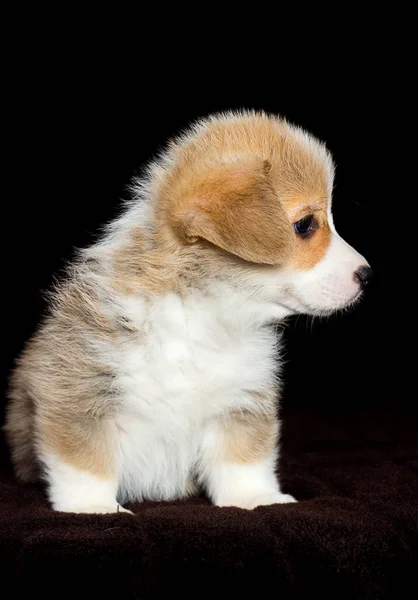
(363, 275)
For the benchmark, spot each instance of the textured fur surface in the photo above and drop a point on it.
(155, 372)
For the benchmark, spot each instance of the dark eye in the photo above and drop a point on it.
(304, 227)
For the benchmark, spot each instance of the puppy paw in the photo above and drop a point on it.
(275, 498)
(261, 499)
(102, 509)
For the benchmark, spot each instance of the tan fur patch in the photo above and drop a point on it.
(90, 445)
(248, 437)
(234, 207)
(308, 252)
(61, 396)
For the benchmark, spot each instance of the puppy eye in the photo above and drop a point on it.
(304, 227)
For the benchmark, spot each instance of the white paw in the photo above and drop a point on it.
(258, 500)
(276, 498)
(102, 509)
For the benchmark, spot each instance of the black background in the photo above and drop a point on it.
(80, 126)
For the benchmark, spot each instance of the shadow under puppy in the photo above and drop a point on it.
(155, 372)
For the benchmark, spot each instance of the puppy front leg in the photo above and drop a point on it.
(238, 461)
(81, 466)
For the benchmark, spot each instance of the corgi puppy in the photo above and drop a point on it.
(155, 372)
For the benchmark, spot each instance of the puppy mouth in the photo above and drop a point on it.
(296, 306)
(354, 299)
(345, 305)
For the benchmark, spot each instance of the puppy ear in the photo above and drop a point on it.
(234, 206)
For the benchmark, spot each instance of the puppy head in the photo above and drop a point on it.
(259, 189)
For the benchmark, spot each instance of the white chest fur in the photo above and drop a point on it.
(193, 359)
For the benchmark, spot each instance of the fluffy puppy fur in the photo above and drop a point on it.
(155, 372)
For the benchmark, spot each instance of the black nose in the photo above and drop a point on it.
(363, 276)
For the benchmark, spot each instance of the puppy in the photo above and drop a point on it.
(155, 373)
